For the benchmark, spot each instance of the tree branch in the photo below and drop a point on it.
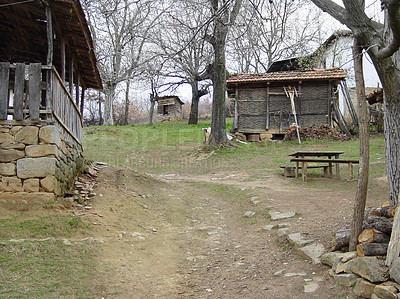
(393, 9)
(335, 10)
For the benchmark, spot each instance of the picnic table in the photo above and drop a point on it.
(328, 158)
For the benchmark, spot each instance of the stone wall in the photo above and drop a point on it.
(37, 162)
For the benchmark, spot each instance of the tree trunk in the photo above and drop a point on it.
(218, 123)
(126, 114)
(372, 249)
(151, 113)
(363, 124)
(108, 105)
(194, 108)
(390, 78)
(100, 112)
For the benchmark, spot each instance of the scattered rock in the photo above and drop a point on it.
(278, 215)
(280, 272)
(370, 268)
(330, 258)
(297, 240)
(285, 224)
(311, 287)
(386, 291)
(268, 227)
(249, 214)
(295, 274)
(363, 288)
(282, 232)
(347, 280)
(313, 252)
(347, 256)
(67, 242)
(395, 270)
(255, 200)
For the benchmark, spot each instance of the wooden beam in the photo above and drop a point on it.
(19, 86)
(71, 74)
(82, 100)
(35, 70)
(77, 89)
(49, 27)
(63, 60)
(4, 81)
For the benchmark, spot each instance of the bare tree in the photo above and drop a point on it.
(187, 55)
(382, 42)
(224, 14)
(121, 29)
(267, 31)
(363, 125)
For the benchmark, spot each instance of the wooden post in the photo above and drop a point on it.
(19, 86)
(4, 81)
(267, 108)
(236, 119)
(77, 89)
(350, 171)
(82, 100)
(63, 60)
(35, 72)
(304, 171)
(49, 27)
(71, 75)
(50, 49)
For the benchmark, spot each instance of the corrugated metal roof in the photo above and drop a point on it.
(315, 74)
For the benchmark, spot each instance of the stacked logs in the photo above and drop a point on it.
(313, 132)
(374, 239)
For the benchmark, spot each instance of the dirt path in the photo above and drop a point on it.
(175, 236)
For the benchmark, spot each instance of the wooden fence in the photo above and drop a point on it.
(36, 92)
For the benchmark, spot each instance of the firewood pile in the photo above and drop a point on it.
(313, 132)
(84, 186)
(374, 239)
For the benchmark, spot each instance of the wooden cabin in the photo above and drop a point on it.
(46, 64)
(169, 107)
(263, 106)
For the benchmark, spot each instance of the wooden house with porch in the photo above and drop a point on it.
(46, 63)
(263, 106)
(169, 107)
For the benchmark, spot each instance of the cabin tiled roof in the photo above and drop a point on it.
(315, 74)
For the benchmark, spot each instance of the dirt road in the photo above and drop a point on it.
(172, 236)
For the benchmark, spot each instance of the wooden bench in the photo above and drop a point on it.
(329, 162)
(289, 171)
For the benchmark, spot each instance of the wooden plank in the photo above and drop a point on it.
(4, 81)
(324, 160)
(35, 70)
(49, 29)
(19, 86)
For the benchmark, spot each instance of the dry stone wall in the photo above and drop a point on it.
(37, 162)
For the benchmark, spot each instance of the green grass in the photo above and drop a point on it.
(41, 227)
(39, 265)
(178, 148)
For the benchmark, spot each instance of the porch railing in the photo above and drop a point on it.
(36, 92)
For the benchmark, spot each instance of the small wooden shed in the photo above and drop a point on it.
(169, 107)
(46, 64)
(262, 104)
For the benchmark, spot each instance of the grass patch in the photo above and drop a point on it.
(47, 269)
(40, 265)
(175, 147)
(41, 227)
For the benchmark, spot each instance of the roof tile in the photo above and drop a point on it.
(331, 73)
